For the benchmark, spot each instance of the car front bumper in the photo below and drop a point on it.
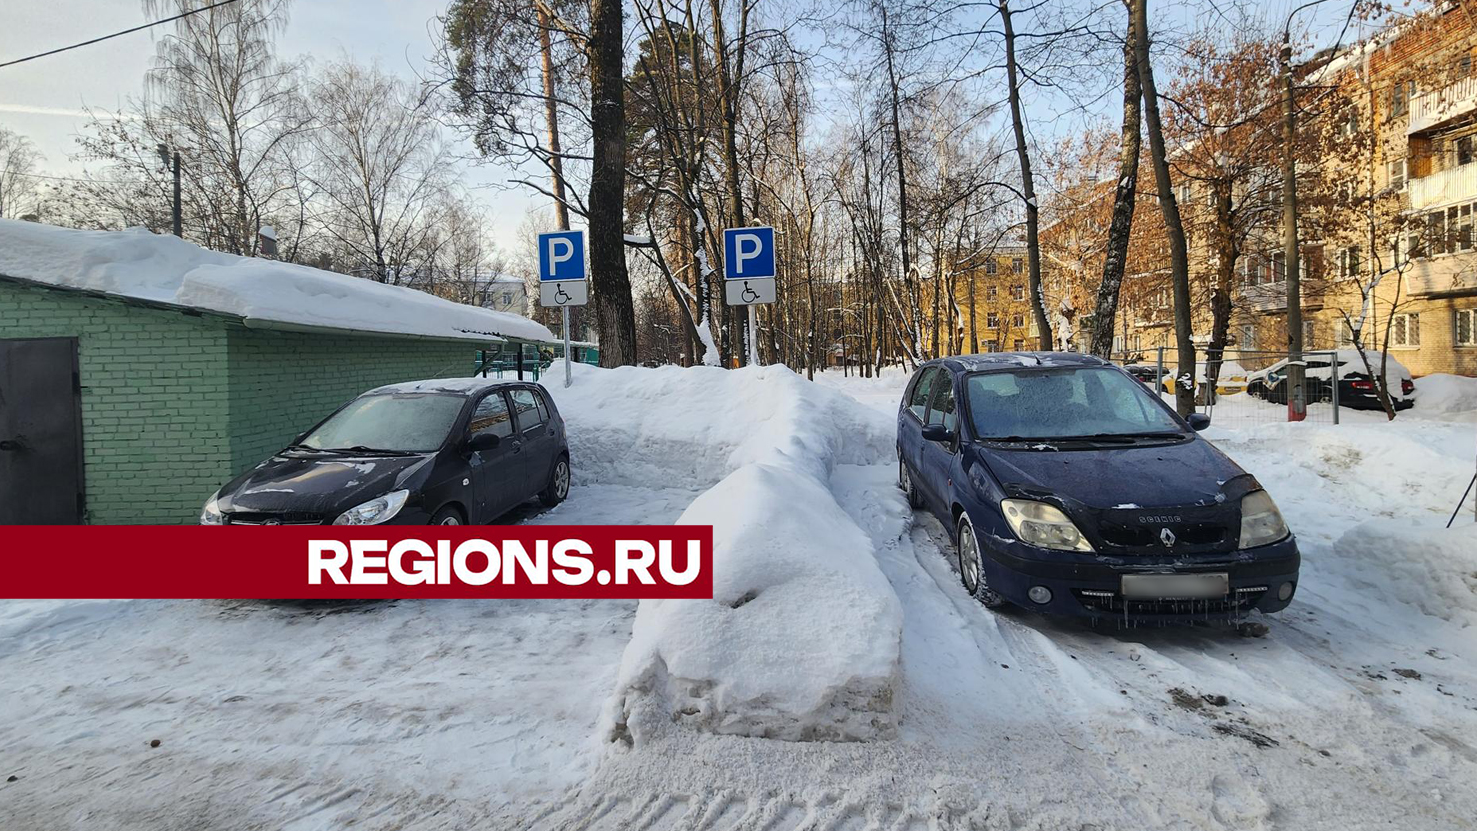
(1262, 579)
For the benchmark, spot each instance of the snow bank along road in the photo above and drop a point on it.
(840, 678)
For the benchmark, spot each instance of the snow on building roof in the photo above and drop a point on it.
(144, 266)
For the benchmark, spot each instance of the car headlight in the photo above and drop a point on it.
(1261, 522)
(377, 510)
(1038, 523)
(211, 513)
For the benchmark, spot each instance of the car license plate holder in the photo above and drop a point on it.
(1202, 586)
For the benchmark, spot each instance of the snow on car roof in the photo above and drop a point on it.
(996, 360)
(459, 386)
(144, 266)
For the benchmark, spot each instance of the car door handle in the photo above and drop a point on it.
(517, 447)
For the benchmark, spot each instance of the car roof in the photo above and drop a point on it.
(454, 386)
(1016, 360)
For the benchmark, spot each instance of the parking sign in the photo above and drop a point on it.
(748, 253)
(561, 256)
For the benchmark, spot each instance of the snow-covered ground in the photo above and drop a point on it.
(1357, 710)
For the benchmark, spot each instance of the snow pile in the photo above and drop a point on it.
(800, 640)
(165, 269)
(1443, 394)
(1431, 569)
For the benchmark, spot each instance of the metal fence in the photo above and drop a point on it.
(1244, 386)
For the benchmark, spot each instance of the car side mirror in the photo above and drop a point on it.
(484, 441)
(1198, 421)
(298, 439)
(937, 432)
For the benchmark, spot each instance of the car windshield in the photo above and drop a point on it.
(416, 423)
(1062, 403)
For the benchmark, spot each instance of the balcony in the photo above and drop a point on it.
(1444, 274)
(1438, 106)
(1267, 297)
(1449, 187)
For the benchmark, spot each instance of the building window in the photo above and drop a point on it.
(1343, 334)
(1183, 195)
(1466, 327)
(1018, 344)
(1349, 261)
(1464, 66)
(992, 320)
(1247, 340)
(991, 293)
(507, 298)
(1018, 319)
(1018, 292)
(1309, 335)
(1435, 233)
(1279, 267)
(1400, 96)
(1464, 150)
(1405, 330)
(1395, 171)
(989, 265)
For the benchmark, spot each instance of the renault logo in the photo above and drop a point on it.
(1166, 536)
(279, 522)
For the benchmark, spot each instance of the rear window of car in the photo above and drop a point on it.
(527, 406)
(1059, 403)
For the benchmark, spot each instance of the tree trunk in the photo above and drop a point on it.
(1226, 253)
(1179, 259)
(1121, 226)
(1028, 187)
(610, 283)
(551, 117)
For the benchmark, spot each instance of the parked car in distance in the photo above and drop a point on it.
(1230, 380)
(1071, 489)
(1356, 385)
(449, 451)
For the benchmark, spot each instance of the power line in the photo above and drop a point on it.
(118, 34)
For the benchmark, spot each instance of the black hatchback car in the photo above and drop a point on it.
(1071, 489)
(441, 452)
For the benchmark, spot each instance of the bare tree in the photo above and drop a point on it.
(1179, 258)
(18, 158)
(379, 168)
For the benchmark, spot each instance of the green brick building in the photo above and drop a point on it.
(174, 400)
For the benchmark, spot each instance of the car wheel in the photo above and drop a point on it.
(558, 487)
(905, 481)
(971, 566)
(448, 516)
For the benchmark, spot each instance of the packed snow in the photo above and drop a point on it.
(787, 557)
(165, 269)
(1355, 710)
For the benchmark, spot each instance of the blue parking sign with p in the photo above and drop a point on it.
(561, 256)
(748, 253)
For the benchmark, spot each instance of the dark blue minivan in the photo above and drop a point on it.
(1071, 489)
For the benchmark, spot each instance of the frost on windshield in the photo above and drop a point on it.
(1055, 403)
(403, 423)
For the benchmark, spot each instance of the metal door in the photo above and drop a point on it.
(40, 433)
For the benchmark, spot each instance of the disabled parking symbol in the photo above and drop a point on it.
(749, 295)
(561, 296)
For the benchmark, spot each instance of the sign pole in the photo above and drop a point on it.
(568, 371)
(753, 337)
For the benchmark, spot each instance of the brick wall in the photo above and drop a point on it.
(175, 405)
(283, 382)
(153, 401)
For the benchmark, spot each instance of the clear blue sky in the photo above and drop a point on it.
(43, 99)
